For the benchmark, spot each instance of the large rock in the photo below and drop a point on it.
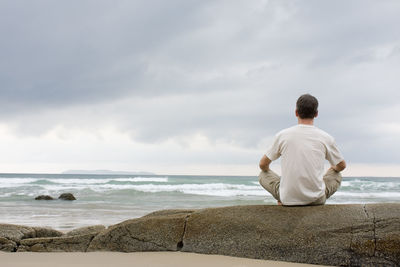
(76, 243)
(386, 231)
(169, 212)
(11, 235)
(49, 240)
(46, 232)
(7, 245)
(348, 235)
(150, 233)
(95, 229)
(16, 232)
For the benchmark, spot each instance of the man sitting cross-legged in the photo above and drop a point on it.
(303, 150)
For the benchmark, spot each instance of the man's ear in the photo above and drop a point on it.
(297, 113)
(316, 114)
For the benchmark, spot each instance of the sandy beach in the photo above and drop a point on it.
(153, 259)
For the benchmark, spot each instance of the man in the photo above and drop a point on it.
(303, 150)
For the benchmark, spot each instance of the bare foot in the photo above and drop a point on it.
(279, 203)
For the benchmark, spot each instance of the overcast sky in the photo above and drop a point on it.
(194, 87)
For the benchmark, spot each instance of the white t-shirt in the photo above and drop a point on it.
(303, 149)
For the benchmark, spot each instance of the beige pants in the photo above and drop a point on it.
(271, 181)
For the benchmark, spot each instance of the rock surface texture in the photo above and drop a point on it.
(67, 196)
(346, 235)
(94, 229)
(155, 232)
(12, 235)
(44, 197)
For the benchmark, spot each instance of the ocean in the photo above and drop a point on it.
(110, 199)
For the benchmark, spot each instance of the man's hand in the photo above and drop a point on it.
(264, 163)
(339, 167)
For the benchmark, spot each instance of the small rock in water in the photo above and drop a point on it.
(67, 196)
(44, 197)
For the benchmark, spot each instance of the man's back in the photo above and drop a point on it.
(303, 149)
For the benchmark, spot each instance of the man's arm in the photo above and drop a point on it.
(339, 167)
(264, 163)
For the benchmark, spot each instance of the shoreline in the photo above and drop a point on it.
(120, 259)
(108, 200)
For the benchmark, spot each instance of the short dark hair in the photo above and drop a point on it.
(307, 106)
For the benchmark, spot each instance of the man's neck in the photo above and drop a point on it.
(305, 121)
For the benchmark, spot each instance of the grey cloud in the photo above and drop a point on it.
(229, 70)
(75, 52)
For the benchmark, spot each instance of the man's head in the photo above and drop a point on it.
(307, 107)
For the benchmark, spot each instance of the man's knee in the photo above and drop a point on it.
(267, 178)
(270, 182)
(262, 179)
(260, 176)
(332, 181)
